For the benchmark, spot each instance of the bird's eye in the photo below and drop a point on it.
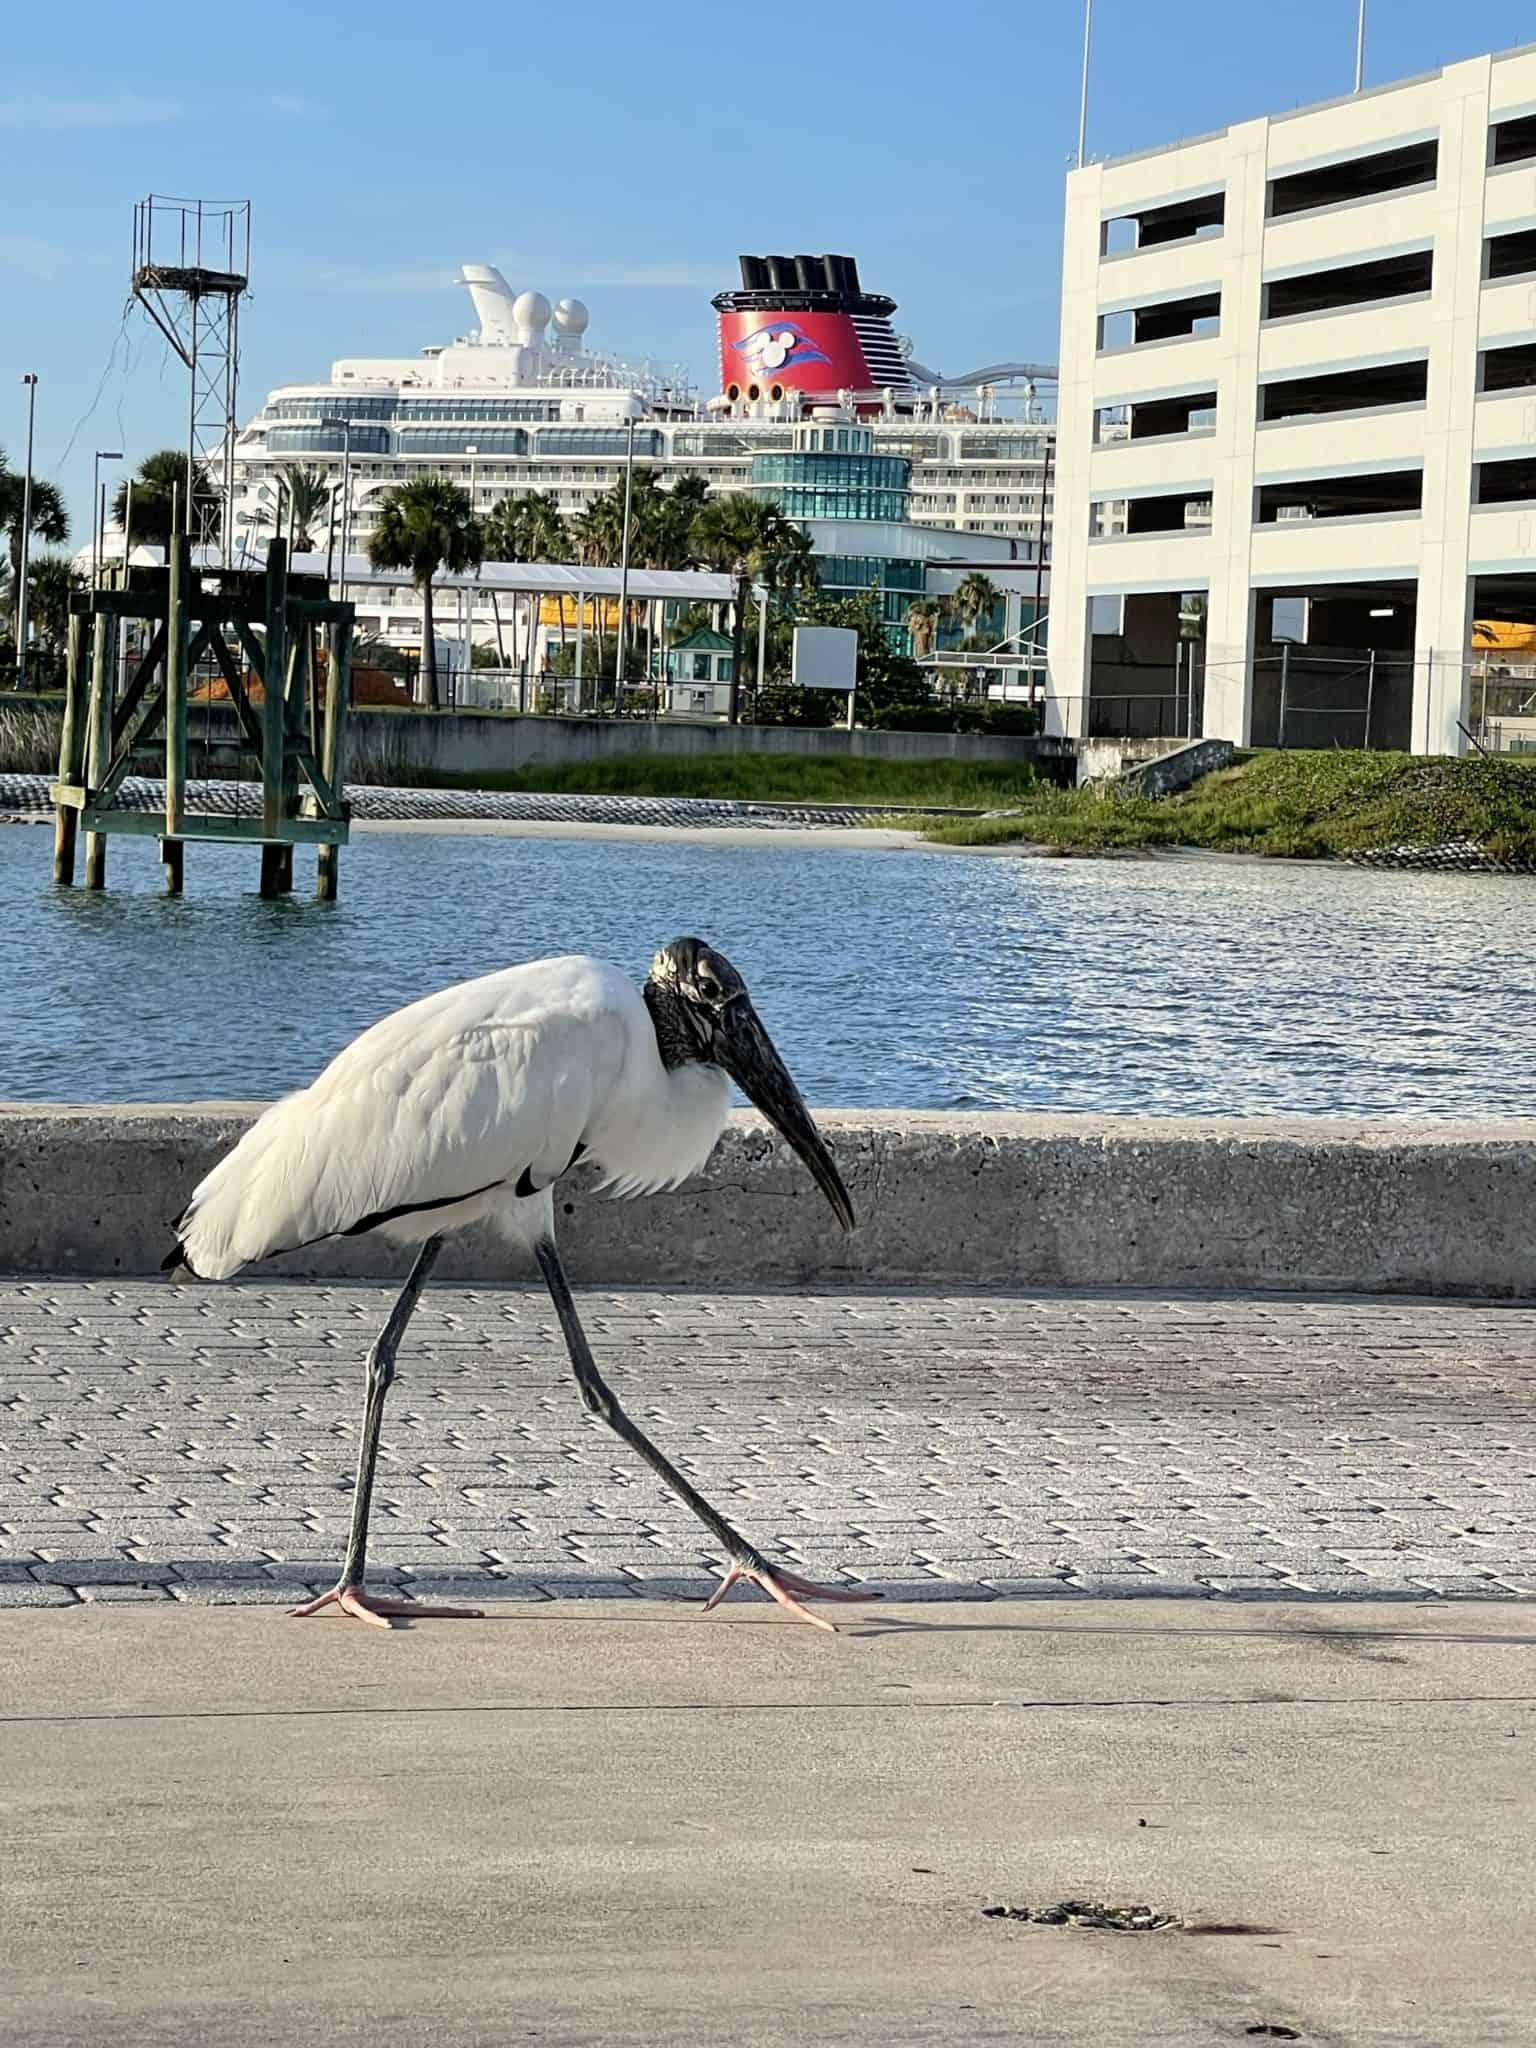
(709, 988)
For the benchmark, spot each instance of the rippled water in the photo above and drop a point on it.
(910, 980)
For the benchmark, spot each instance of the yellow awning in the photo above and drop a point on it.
(1507, 635)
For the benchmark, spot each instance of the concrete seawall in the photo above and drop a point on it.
(1022, 1200)
(469, 743)
(402, 746)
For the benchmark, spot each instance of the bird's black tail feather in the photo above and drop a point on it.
(176, 1260)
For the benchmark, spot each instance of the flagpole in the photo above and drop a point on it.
(1082, 105)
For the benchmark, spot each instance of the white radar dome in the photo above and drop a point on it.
(531, 312)
(571, 317)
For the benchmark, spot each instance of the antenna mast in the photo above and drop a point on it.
(191, 268)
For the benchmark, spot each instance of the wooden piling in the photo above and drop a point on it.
(295, 701)
(273, 864)
(338, 695)
(173, 860)
(66, 819)
(99, 742)
(178, 633)
(312, 639)
(274, 710)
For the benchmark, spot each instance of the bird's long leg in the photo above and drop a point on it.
(348, 1593)
(599, 1399)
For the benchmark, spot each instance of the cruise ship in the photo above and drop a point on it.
(902, 476)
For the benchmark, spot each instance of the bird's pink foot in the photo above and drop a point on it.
(365, 1606)
(789, 1590)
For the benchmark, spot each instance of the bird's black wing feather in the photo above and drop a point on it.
(418, 1208)
(527, 1185)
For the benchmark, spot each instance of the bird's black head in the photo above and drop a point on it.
(701, 982)
(701, 1011)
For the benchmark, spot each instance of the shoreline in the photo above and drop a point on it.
(828, 838)
(825, 838)
(818, 838)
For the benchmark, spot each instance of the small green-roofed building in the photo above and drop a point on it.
(699, 674)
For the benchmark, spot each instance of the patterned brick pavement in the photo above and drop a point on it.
(196, 1443)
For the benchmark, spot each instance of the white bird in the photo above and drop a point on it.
(470, 1104)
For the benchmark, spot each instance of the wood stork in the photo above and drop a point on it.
(471, 1104)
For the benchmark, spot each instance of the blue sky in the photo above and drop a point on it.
(616, 152)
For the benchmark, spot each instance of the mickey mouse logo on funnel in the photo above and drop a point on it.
(777, 345)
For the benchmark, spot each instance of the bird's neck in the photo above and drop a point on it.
(674, 1041)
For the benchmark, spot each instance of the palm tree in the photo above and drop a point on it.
(159, 487)
(309, 501)
(750, 539)
(976, 599)
(50, 521)
(527, 528)
(664, 539)
(426, 525)
(660, 522)
(598, 530)
(925, 615)
(51, 581)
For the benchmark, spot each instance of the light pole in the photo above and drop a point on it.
(471, 450)
(1082, 105)
(1034, 628)
(346, 502)
(99, 509)
(618, 658)
(1360, 47)
(30, 380)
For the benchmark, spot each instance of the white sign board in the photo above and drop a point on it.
(825, 658)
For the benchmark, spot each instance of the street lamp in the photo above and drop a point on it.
(30, 380)
(1082, 105)
(346, 502)
(99, 508)
(467, 617)
(618, 658)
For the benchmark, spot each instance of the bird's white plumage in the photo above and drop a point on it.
(450, 1101)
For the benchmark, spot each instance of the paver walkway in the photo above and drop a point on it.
(196, 1443)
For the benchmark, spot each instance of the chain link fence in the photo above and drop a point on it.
(1501, 707)
(1304, 698)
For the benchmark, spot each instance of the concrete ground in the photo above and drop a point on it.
(625, 1824)
(606, 1819)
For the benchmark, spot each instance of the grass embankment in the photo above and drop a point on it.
(1290, 806)
(29, 740)
(772, 778)
(29, 745)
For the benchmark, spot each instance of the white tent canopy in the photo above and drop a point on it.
(691, 586)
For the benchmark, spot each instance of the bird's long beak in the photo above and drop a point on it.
(747, 1054)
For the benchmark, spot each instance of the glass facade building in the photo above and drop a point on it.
(834, 473)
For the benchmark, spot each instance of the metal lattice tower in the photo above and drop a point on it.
(191, 265)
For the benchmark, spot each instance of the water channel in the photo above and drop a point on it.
(899, 979)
